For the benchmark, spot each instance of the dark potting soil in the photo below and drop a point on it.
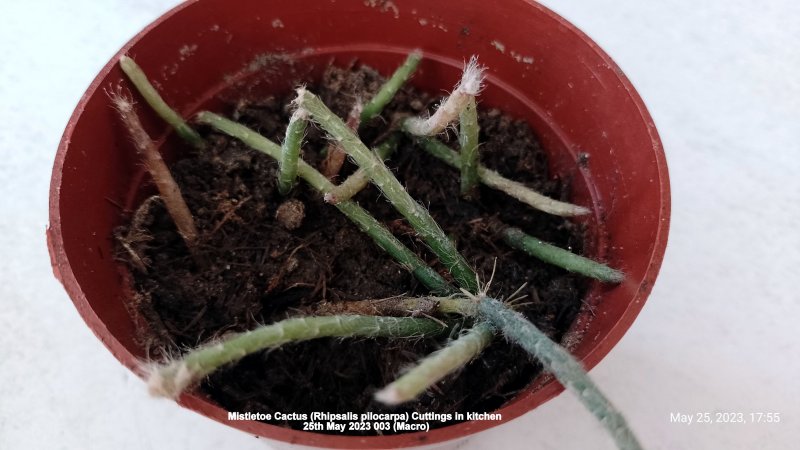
(262, 258)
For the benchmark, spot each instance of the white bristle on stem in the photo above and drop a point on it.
(449, 110)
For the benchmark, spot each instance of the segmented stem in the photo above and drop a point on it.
(559, 257)
(365, 222)
(437, 365)
(415, 213)
(450, 108)
(359, 179)
(392, 85)
(558, 361)
(152, 97)
(496, 181)
(290, 151)
(394, 306)
(468, 140)
(172, 378)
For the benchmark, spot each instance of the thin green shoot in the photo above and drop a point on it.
(153, 98)
(468, 132)
(556, 256)
(387, 92)
(436, 366)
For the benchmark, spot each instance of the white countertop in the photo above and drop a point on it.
(719, 333)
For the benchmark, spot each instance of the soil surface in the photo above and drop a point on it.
(263, 258)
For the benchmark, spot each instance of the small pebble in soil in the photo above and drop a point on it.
(291, 214)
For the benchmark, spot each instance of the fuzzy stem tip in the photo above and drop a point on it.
(449, 110)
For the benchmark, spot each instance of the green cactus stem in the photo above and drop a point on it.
(173, 377)
(558, 361)
(290, 151)
(565, 259)
(468, 131)
(387, 92)
(496, 181)
(434, 367)
(152, 97)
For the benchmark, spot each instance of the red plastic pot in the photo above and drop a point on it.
(541, 68)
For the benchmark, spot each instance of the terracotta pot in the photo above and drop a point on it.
(541, 68)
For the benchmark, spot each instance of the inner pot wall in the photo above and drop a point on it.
(541, 69)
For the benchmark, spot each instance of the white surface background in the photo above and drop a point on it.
(719, 332)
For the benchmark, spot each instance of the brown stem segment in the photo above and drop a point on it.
(167, 187)
(332, 164)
